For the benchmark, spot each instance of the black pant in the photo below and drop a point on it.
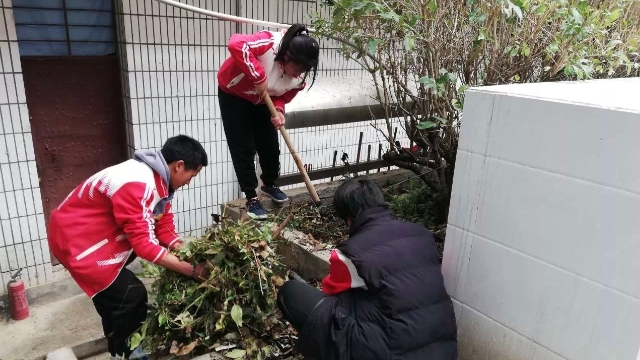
(123, 308)
(248, 129)
(296, 301)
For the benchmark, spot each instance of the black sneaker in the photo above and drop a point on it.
(274, 193)
(255, 209)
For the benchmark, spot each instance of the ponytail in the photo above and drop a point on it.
(301, 49)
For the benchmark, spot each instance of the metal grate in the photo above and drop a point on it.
(65, 27)
(170, 58)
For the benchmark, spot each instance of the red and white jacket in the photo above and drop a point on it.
(107, 218)
(252, 62)
(343, 275)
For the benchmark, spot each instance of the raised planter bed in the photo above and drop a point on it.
(314, 230)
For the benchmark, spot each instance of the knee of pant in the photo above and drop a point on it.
(286, 290)
(280, 301)
(281, 293)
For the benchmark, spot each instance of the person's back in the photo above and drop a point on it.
(384, 297)
(405, 312)
(87, 224)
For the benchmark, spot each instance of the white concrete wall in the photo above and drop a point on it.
(23, 242)
(543, 237)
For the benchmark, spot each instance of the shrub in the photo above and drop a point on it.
(424, 54)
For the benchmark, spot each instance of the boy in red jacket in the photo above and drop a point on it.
(116, 214)
(276, 63)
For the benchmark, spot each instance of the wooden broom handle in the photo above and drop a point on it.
(294, 153)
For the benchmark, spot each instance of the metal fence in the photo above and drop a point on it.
(170, 59)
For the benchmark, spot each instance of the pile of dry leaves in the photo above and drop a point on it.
(322, 223)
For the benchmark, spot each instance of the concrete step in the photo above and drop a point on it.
(71, 322)
(103, 356)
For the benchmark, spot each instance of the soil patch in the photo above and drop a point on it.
(321, 223)
(325, 230)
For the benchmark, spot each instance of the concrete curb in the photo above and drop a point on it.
(91, 348)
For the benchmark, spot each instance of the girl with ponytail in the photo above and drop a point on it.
(277, 63)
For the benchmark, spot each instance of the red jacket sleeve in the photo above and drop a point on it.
(166, 228)
(132, 211)
(245, 48)
(342, 275)
(280, 101)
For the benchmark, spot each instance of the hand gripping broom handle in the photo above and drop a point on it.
(292, 150)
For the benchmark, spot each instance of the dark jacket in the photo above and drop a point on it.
(404, 312)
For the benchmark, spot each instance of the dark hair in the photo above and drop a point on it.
(187, 149)
(355, 196)
(301, 49)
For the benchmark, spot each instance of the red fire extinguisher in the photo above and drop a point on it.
(18, 297)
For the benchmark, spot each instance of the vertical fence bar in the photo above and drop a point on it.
(335, 157)
(379, 153)
(359, 148)
(368, 155)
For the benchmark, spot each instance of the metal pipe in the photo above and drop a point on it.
(297, 119)
(237, 19)
(324, 173)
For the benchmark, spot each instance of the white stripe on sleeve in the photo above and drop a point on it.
(356, 280)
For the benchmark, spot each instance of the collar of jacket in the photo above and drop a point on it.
(368, 216)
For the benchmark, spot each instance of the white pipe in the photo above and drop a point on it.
(222, 16)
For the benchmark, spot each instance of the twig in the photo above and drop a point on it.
(370, 56)
(415, 176)
(281, 210)
(280, 227)
(382, 132)
(259, 274)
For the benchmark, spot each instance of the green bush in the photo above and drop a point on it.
(423, 54)
(417, 204)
